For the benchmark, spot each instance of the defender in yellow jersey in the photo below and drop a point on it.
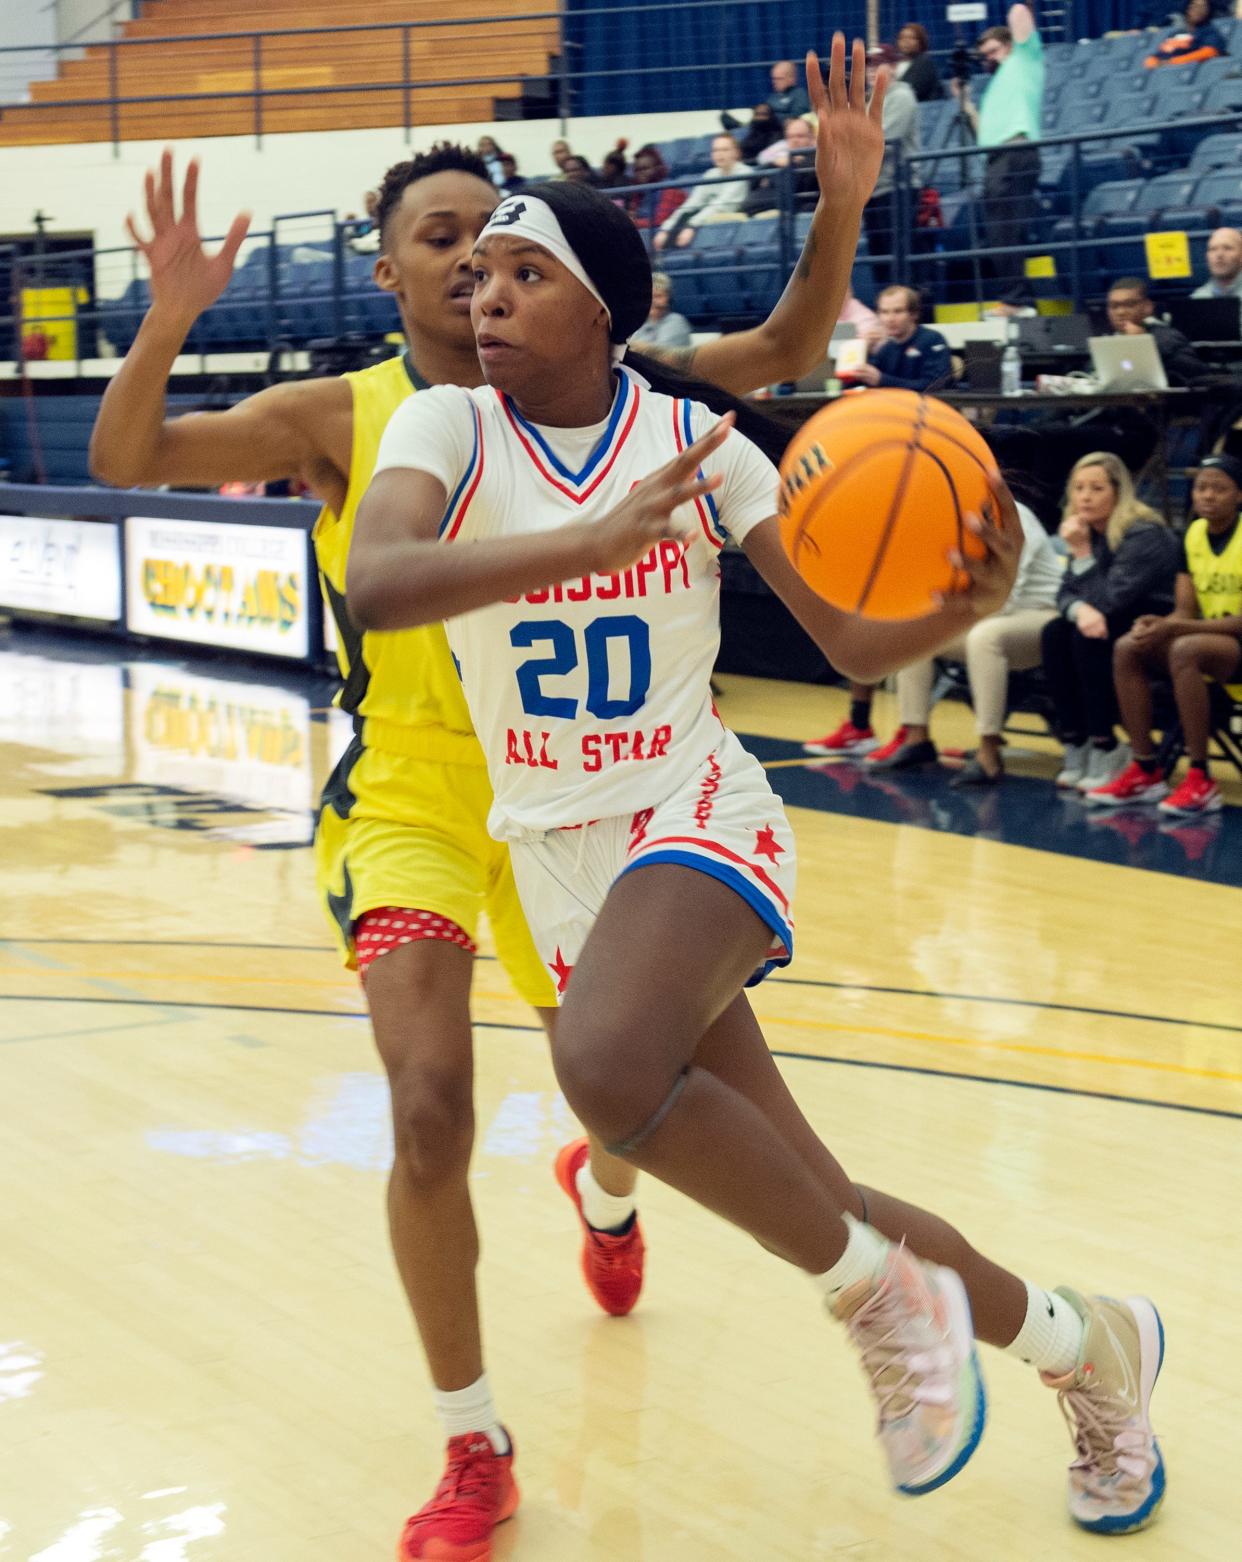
(1198, 644)
(403, 821)
(404, 816)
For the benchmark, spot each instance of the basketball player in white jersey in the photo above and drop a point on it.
(566, 520)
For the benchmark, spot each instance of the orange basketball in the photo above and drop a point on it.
(875, 491)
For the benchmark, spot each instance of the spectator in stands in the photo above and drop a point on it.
(1122, 564)
(1200, 641)
(1008, 118)
(796, 150)
(901, 131)
(797, 135)
(1197, 38)
(362, 233)
(560, 151)
(654, 208)
(1224, 263)
(1009, 641)
(510, 181)
(489, 151)
(786, 99)
(909, 355)
(764, 129)
(915, 65)
(614, 170)
(721, 191)
(577, 170)
(1131, 313)
(788, 96)
(663, 328)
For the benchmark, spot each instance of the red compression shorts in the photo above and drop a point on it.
(379, 931)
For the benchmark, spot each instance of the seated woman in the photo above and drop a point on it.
(663, 327)
(915, 65)
(1123, 562)
(1200, 640)
(1197, 38)
(651, 208)
(992, 649)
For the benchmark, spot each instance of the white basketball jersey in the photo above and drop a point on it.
(591, 698)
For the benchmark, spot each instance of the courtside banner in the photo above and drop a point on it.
(72, 568)
(239, 587)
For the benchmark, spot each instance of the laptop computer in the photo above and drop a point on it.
(1054, 336)
(1207, 319)
(826, 368)
(1127, 363)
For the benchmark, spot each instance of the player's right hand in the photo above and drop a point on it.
(647, 515)
(185, 280)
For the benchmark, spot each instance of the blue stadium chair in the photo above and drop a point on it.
(1224, 96)
(1221, 187)
(678, 266)
(1171, 189)
(1113, 198)
(1221, 150)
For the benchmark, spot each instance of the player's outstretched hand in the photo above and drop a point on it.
(647, 515)
(991, 577)
(849, 145)
(185, 280)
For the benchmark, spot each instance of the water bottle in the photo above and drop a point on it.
(1011, 366)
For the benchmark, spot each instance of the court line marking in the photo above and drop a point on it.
(773, 982)
(808, 1057)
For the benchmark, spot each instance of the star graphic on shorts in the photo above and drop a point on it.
(766, 844)
(561, 971)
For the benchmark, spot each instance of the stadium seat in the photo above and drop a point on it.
(1224, 96)
(1221, 187)
(1171, 189)
(1222, 150)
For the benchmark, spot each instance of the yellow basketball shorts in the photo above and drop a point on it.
(412, 832)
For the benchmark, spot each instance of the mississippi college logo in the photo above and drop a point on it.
(504, 216)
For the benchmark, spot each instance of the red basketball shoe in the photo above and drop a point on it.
(847, 739)
(476, 1492)
(612, 1266)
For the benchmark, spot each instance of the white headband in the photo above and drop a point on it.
(527, 217)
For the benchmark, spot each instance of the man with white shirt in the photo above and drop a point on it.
(1224, 263)
(722, 191)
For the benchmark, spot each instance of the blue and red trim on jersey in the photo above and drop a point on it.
(705, 504)
(466, 489)
(601, 460)
(765, 898)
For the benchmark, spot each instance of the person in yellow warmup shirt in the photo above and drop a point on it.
(1198, 643)
(401, 836)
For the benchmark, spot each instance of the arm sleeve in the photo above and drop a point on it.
(748, 494)
(432, 431)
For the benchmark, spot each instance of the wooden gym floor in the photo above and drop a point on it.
(1030, 1024)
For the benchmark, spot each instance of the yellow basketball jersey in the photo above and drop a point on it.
(1217, 576)
(402, 684)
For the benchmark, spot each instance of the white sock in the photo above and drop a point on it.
(865, 1252)
(470, 1409)
(604, 1211)
(1051, 1336)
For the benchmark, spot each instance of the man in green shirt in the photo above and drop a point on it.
(1006, 121)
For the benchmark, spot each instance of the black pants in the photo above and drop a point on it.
(878, 224)
(1010, 204)
(1080, 679)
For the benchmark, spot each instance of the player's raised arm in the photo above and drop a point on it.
(400, 574)
(867, 649)
(281, 432)
(849, 151)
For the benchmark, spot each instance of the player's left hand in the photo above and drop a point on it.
(991, 577)
(849, 145)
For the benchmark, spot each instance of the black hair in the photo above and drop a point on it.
(1130, 285)
(615, 258)
(444, 157)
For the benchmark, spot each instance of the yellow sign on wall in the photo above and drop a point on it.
(52, 312)
(1168, 255)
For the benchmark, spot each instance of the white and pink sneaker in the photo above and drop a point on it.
(914, 1330)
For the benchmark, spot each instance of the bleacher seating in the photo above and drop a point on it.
(315, 71)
